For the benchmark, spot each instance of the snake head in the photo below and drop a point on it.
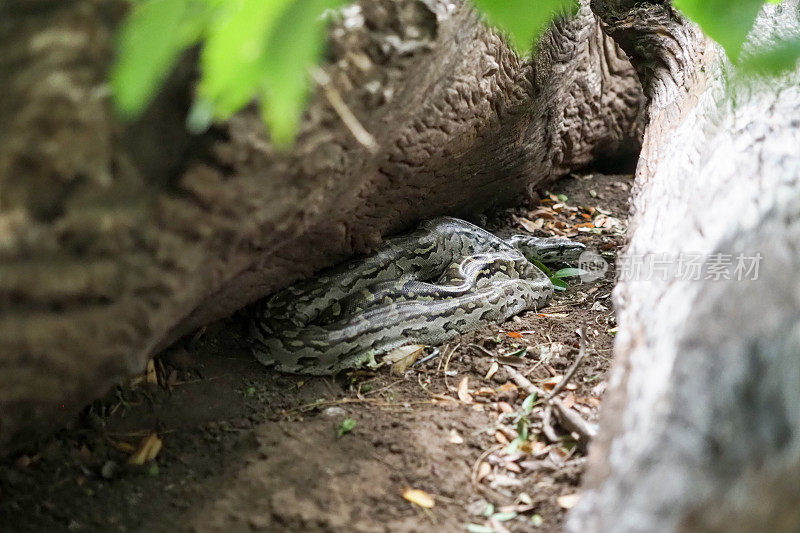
(548, 250)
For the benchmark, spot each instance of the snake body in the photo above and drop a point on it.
(446, 278)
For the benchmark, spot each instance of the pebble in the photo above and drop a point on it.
(334, 412)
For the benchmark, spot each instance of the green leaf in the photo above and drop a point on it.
(476, 528)
(517, 353)
(489, 511)
(524, 20)
(527, 404)
(347, 425)
(558, 284)
(233, 61)
(148, 45)
(726, 21)
(522, 428)
(295, 45)
(538, 264)
(569, 273)
(504, 517)
(779, 58)
(513, 446)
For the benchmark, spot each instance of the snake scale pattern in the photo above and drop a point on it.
(446, 278)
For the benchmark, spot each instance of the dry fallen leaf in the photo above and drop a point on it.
(552, 382)
(147, 451)
(455, 438)
(492, 370)
(568, 501)
(530, 225)
(559, 454)
(605, 221)
(484, 469)
(463, 391)
(505, 407)
(403, 357)
(124, 447)
(520, 508)
(569, 401)
(501, 438)
(418, 497)
(594, 402)
(150, 374)
(534, 447)
(485, 391)
(506, 387)
(552, 315)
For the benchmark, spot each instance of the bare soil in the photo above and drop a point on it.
(247, 449)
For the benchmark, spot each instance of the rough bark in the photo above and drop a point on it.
(701, 426)
(117, 239)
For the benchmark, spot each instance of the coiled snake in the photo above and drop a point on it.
(446, 278)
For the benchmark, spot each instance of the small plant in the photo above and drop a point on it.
(347, 425)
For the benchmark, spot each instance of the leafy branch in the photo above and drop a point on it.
(262, 50)
(251, 49)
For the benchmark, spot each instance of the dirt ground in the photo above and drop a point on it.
(247, 449)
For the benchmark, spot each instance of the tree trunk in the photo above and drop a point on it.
(116, 239)
(701, 427)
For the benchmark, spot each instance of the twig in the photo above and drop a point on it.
(360, 133)
(571, 372)
(449, 351)
(481, 349)
(386, 387)
(524, 382)
(443, 397)
(447, 364)
(574, 423)
(343, 401)
(571, 420)
(484, 455)
(547, 427)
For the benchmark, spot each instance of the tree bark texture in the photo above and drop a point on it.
(701, 427)
(116, 239)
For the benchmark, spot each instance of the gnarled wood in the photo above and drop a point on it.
(117, 239)
(701, 427)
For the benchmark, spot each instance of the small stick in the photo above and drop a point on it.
(571, 372)
(360, 133)
(547, 428)
(477, 464)
(525, 383)
(448, 351)
(481, 349)
(571, 420)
